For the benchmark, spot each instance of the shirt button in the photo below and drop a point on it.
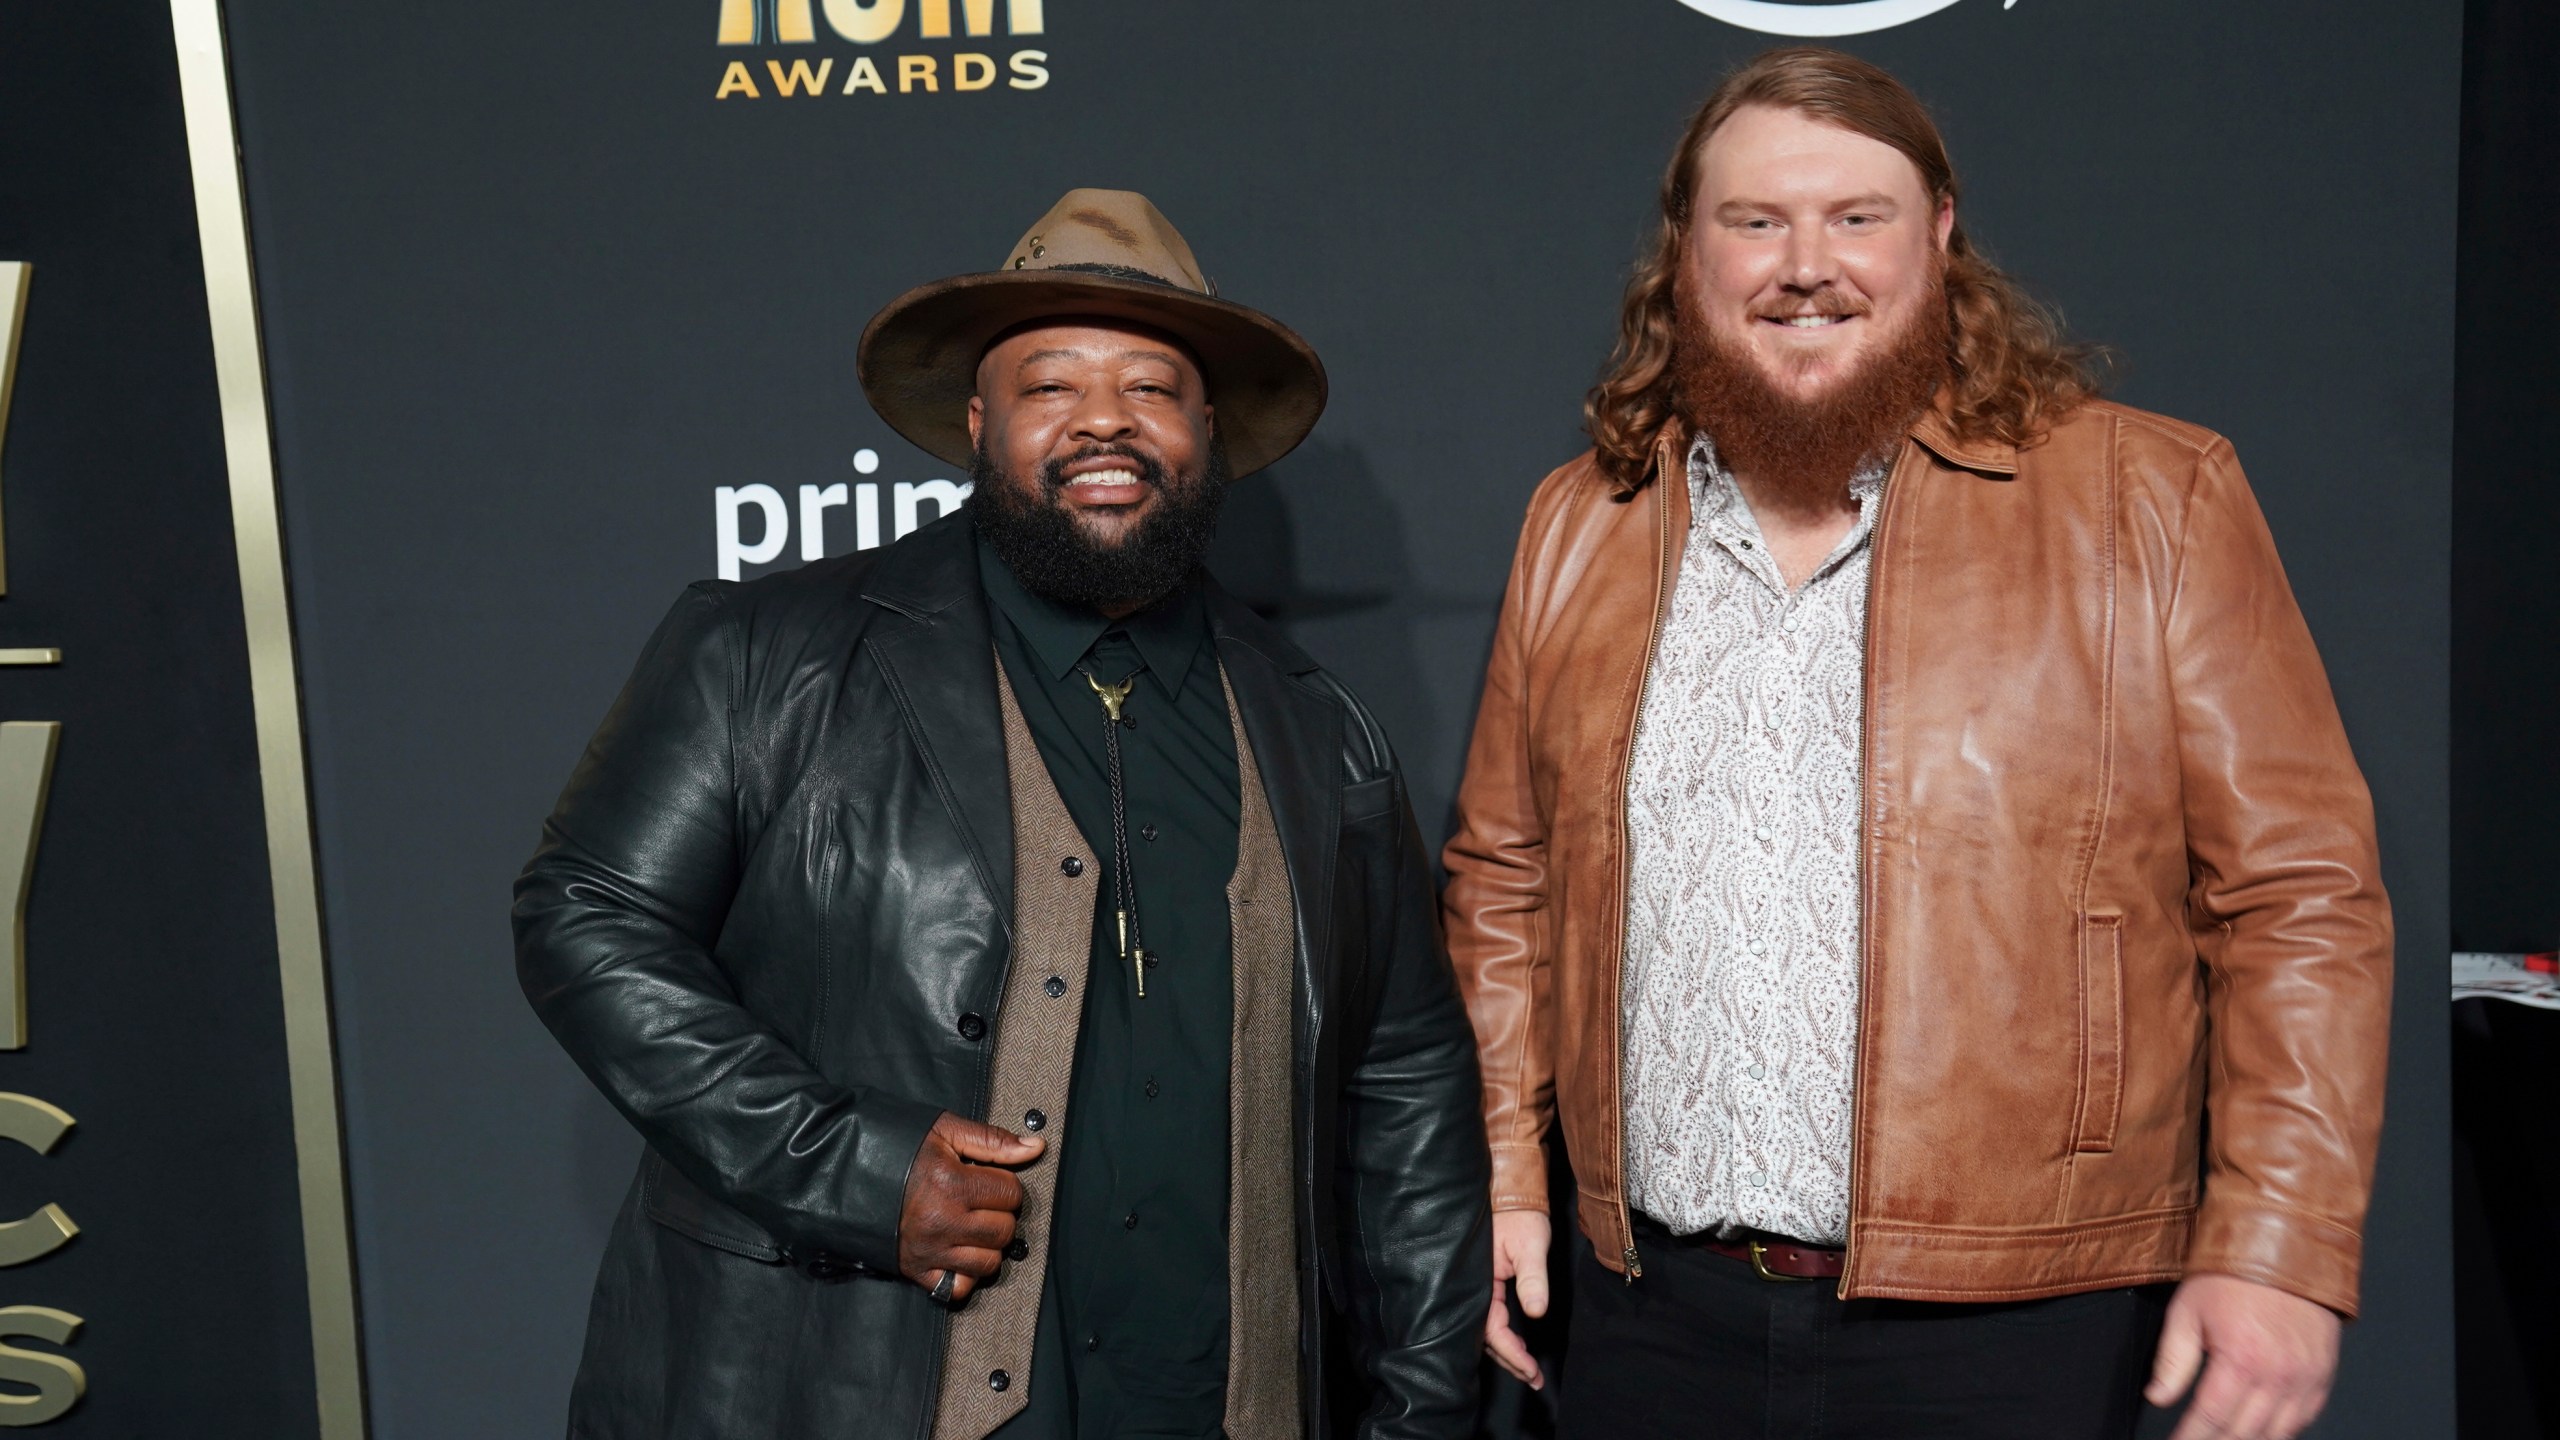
(1092, 1343)
(1757, 1179)
(1151, 1087)
(1758, 1072)
(1764, 834)
(1757, 948)
(1129, 1221)
(1055, 985)
(1034, 1120)
(999, 1381)
(1072, 865)
(1146, 832)
(1789, 624)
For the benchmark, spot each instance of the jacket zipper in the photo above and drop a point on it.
(1626, 841)
(1866, 870)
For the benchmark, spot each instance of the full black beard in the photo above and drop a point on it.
(1056, 560)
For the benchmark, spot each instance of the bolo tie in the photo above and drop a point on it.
(1124, 892)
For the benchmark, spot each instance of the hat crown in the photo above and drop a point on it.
(1113, 230)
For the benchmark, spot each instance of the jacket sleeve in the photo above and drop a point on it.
(1416, 1169)
(615, 917)
(2292, 925)
(1494, 909)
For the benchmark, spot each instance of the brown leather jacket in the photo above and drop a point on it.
(2127, 967)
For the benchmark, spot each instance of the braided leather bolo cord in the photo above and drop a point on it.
(1123, 888)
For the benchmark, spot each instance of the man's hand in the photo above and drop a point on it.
(1520, 1239)
(2272, 1358)
(959, 1211)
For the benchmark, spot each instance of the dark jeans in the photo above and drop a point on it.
(1702, 1348)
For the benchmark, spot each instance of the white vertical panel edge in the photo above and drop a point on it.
(240, 367)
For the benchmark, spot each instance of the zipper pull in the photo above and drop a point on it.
(1635, 1265)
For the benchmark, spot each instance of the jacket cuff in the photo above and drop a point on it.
(2299, 1253)
(875, 1182)
(1520, 1177)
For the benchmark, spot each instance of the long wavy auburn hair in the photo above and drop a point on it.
(2012, 371)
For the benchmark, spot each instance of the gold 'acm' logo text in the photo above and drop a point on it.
(871, 22)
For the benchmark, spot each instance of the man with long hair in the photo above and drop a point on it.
(1909, 840)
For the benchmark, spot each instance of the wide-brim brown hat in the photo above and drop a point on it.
(1103, 253)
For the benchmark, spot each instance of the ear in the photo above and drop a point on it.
(977, 420)
(1946, 220)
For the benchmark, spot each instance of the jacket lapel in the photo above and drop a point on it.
(1296, 732)
(937, 651)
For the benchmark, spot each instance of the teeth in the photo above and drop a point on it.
(1107, 477)
(1807, 322)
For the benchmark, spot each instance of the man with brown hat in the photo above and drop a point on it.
(1018, 956)
(1909, 844)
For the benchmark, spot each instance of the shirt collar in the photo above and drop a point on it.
(1718, 507)
(1169, 634)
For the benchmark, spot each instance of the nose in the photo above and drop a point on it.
(1102, 415)
(1810, 263)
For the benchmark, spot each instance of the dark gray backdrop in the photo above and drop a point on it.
(531, 294)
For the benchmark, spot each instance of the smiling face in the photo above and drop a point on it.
(1099, 474)
(1812, 249)
(1100, 416)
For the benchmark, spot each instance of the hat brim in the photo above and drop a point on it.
(918, 358)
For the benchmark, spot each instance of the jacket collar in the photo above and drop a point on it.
(1934, 431)
(929, 571)
(1233, 624)
(937, 649)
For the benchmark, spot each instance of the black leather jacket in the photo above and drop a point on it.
(770, 918)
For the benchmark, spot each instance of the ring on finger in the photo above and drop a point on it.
(942, 1287)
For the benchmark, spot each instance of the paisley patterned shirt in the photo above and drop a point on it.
(1740, 998)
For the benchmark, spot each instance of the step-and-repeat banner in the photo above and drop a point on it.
(559, 304)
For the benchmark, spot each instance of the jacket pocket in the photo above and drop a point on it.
(675, 1202)
(2101, 1033)
(1368, 799)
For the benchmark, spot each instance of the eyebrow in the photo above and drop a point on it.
(1871, 201)
(1061, 354)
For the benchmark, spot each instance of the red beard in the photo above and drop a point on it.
(1800, 454)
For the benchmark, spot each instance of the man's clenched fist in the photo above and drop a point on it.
(960, 1207)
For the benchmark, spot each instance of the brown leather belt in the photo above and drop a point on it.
(1776, 1258)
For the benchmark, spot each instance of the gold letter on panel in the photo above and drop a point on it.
(26, 773)
(38, 1126)
(15, 276)
(865, 22)
(743, 22)
(58, 1382)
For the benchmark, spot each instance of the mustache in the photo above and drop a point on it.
(1150, 471)
(1820, 302)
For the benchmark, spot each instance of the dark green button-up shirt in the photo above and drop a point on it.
(1133, 1321)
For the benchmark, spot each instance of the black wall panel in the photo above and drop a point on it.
(155, 1012)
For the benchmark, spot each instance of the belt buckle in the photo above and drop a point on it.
(1760, 1263)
